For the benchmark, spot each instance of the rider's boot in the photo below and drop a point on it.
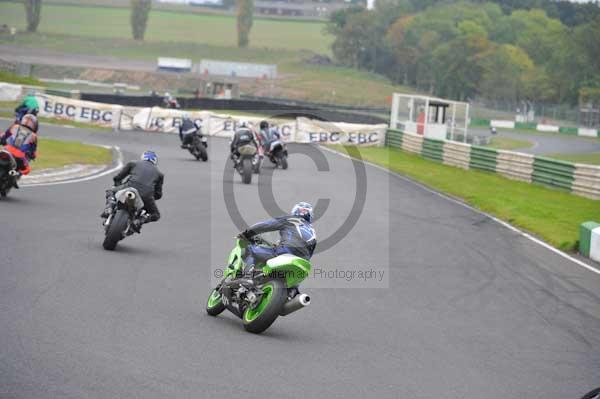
(110, 202)
(16, 177)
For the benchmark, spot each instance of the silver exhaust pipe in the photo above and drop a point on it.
(297, 303)
(13, 173)
(130, 195)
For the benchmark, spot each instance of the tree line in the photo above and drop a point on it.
(140, 11)
(506, 50)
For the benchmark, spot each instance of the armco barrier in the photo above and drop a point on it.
(552, 172)
(457, 154)
(583, 180)
(515, 165)
(587, 132)
(393, 138)
(568, 130)
(526, 125)
(586, 181)
(483, 158)
(433, 149)
(412, 143)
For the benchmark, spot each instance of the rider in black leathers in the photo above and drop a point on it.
(145, 177)
(187, 130)
(243, 136)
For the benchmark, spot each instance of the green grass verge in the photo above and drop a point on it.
(57, 153)
(592, 158)
(506, 143)
(217, 30)
(553, 215)
(9, 77)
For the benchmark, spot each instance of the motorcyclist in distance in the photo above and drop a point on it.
(187, 130)
(242, 136)
(29, 105)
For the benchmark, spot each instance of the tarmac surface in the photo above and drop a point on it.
(547, 143)
(466, 308)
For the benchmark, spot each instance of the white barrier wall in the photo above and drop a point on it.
(156, 119)
(10, 92)
(587, 132)
(502, 124)
(106, 115)
(547, 128)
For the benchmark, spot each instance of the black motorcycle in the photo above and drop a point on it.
(278, 154)
(244, 162)
(127, 213)
(198, 147)
(8, 172)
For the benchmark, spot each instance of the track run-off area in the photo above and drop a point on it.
(464, 308)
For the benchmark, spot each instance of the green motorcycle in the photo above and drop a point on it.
(258, 298)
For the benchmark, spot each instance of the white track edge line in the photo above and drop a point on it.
(465, 205)
(118, 166)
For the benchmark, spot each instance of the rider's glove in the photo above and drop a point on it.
(243, 235)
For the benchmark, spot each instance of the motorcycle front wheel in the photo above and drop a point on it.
(214, 304)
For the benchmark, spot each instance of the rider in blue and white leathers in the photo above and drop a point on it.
(297, 236)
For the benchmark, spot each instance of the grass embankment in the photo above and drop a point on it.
(592, 158)
(9, 77)
(553, 215)
(287, 43)
(57, 153)
(505, 143)
(216, 30)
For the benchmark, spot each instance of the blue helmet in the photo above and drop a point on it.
(303, 209)
(150, 156)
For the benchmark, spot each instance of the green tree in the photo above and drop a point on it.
(538, 86)
(33, 9)
(536, 33)
(360, 43)
(403, 54)
(506, 70)
(140, 9)
(337, 19)
(245, 11)
(457, 64)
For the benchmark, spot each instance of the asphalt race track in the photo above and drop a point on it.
(547, 143)
(467, 309)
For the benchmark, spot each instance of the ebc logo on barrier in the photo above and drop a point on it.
(336, 137)
(72, 111)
